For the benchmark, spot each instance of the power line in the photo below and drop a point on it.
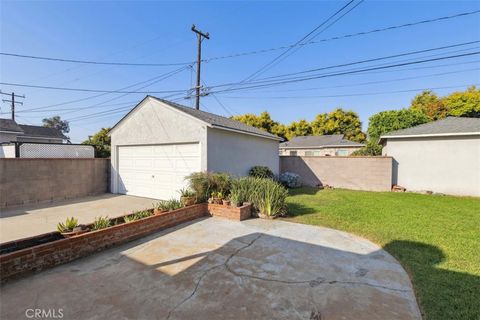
(16, 55)
(83, 89)
(351, 35)
(247, 53)
(268, 79)
(259, 71)
(354, 94)
(348, 72)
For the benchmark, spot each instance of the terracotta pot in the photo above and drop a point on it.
(74, 233)
(188, 201)
(217, 200)
(226, 202)
(158, 211)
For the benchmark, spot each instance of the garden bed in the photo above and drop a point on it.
(232, 213)
(34, 254)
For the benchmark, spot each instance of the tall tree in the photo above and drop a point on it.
(298, 129)
(263, 122)
(430, 104)
(101, 141)
(386, 121)
(339, 121)
(57, 123)
(464, 104)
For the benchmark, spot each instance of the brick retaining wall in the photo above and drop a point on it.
(357, 173)
(37, 258)
(232, 213)
(29, 181)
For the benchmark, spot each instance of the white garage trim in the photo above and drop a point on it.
(156, 170)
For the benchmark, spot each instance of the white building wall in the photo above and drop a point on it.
(156, 123)
(449, 165)
(7, 151)
(237, 153)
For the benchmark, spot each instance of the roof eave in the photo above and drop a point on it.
(247, 133)
(426, 135)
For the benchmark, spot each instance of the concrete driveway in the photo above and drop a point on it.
(32, 220)
(218, 269)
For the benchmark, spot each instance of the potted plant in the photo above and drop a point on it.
(226, 202)
(219, 197)
(160, 207)
(187, 197)
(71, 228)
(235, 200)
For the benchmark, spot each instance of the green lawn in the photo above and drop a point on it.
(435, 238)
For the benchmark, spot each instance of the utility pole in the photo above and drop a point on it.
(200, 36)
(12, 101)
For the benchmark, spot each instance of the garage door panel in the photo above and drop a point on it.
(156, 171)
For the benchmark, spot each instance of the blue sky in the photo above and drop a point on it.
(159, 32)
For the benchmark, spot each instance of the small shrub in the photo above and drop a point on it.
(137, 215)
(261, 172)
(186, 192)
(290, 180)
(270, 198)
(161, 205)
(68, 226)
(204, 183)
(101, 223)
(173, 204)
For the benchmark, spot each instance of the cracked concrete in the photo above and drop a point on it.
(219, 269)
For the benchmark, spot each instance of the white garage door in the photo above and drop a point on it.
(156, 171)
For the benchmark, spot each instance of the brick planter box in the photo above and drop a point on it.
(233, 213)
(27, 258)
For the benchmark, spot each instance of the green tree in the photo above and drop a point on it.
(386, 121)
(101, 141)
(57, 123)
(371, 149)
(262, 122)
(464, 104)
(298, 129)
(430, 104)
(339, 121)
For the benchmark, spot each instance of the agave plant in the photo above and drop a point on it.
(68, 226)
(101, 223)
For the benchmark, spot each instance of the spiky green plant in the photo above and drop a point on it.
(68, 226)
(101, 223)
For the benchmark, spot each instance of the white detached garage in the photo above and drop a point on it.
(158, 143)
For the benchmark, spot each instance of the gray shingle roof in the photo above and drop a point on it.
(450, 125)
(218, 121)
(39, 131)
(319, 142)
(9, 125)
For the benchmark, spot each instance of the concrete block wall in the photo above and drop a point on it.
(29, 181)
(356, 173)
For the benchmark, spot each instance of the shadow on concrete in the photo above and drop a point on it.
(206, 272)
(443, 294)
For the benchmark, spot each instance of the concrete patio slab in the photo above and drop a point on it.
(218, 269)
(32, 220)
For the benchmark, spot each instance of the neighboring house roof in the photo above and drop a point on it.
(44, 132)
(10, 126)
(450, 126)
(211, 119)
(334, 140)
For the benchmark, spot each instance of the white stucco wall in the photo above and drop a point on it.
(237, 153)
(449, 165)
(7, 151)
(156, 123)
(7, 137)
